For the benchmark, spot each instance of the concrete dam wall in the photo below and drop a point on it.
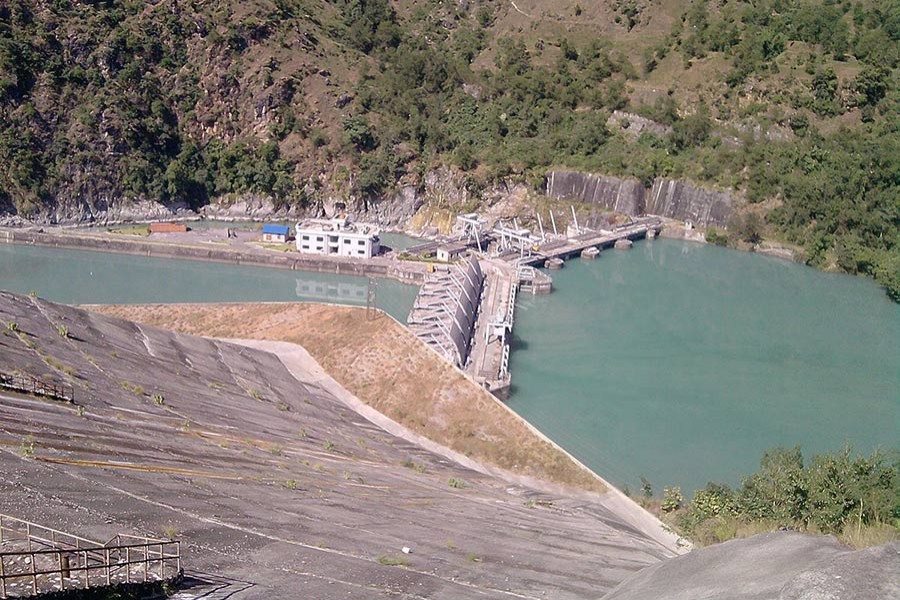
(672, 198)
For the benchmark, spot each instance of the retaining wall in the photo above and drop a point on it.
(672, 198)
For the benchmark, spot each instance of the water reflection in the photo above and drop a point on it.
(331, 290)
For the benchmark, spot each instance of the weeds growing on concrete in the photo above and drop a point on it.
(125, 385)
(410, 464)
(159, 399)
(393, 561)
(457, 483)
(63, 331)
(290, 484)
(27, 447)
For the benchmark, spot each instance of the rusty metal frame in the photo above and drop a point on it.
(34, 386)
(161, 559)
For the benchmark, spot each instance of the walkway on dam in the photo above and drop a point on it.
(572, 247)
(489, 357)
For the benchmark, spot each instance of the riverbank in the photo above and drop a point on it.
(384, 365)
(403, 271)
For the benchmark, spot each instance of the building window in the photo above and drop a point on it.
(320, 239)
(306, 237)
(346, 241)
(362, 242)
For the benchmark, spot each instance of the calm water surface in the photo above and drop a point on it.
(683, 362)
(679, 362)
(82, 277)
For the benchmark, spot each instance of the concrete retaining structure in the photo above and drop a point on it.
(612, 193)
(681, 200)
(672, 198)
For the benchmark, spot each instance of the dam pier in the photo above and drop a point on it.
(465, 307)
(466, 311)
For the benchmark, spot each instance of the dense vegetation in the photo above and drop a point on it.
(854, 497)
(796, 104)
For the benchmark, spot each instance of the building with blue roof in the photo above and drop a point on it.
(276, 233)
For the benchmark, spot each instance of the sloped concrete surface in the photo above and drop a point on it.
(276, 488)
(772, 566)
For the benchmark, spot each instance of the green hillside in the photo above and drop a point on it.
(792, 102)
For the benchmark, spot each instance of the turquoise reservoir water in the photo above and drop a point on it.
(82, 277)
(679, 362)
(683, 362)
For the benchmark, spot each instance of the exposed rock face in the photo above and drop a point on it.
(108, 211)
(248, 208)
(672, 198)
(783, 566)
(620, 195)
(634, 125)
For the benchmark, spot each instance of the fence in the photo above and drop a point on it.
(33, 385)
(45, 560)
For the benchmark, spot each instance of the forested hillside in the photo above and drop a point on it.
(793, 103)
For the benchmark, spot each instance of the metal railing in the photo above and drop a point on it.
(43, 559)
(32, 385)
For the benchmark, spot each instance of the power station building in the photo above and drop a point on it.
(337, 237)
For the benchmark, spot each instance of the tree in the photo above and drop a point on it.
(358, 132)
(871, 85)
(749, 228)
(693, 129)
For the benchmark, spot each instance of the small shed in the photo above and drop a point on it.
(168, 228)
(451, 252)
(276, 233)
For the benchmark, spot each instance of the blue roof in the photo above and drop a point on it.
(276, 229)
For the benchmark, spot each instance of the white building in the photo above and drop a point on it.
(337, 237)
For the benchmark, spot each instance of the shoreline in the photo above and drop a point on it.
(403, 271)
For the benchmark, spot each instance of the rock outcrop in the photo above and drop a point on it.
(672, 198)
(634, 125)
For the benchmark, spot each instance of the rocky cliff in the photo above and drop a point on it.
(673, 198)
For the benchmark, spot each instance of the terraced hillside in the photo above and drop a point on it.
(277, 488)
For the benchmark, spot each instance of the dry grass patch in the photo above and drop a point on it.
(384, 365)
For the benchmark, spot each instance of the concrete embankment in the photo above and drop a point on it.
(384, 365)
(406, 272)
(277, 487)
